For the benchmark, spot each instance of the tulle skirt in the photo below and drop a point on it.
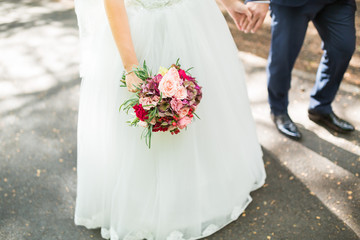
(189, 185)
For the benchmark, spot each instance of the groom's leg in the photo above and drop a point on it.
(288, 28)
(335, 24)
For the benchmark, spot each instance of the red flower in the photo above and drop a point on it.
(184, 76)
(159, 128)
(140, 112)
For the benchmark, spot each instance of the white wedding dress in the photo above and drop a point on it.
(189, 185)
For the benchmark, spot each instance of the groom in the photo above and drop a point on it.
(334, 21)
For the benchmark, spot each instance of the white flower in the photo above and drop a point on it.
(142, 124)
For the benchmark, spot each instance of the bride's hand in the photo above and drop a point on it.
(259, 11)
(132, 82)
(239, 13)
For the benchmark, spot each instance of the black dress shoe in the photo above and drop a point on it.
(286, 126)
(332, 121)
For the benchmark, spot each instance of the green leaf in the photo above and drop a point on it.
(128, 104)
(196, 115)
(188, 70)
(135, 122)
(150, 135)
(149, 105)
(144, 132)
(123, 84)
(144, 65)
(123, 76)
(178, 62)
(137, 87)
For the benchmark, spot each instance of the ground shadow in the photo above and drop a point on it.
(284, 209)
(65, 17)
(39, 96)
(337, 155)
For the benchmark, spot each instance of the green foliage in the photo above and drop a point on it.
(152, 113)
(123, 80)
(128, 104)
(144, 73)
(147, 134)
(178, 63)
(141, 72)
(188, 70)
(196, 115)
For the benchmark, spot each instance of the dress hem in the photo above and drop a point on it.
(175, 235)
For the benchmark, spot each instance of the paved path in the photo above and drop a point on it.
(312, 189)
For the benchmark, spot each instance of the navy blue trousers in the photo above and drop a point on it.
(335, 23)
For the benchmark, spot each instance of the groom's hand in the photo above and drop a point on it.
(259, 11)
(239, 13)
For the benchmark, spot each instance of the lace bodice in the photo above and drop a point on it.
(151, 4)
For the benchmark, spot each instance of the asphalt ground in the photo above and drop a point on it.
(312, 188)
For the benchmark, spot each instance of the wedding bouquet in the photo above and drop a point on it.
(164, 102)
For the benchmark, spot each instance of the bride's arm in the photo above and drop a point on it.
(119, 24)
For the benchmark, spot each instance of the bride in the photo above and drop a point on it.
(186, 186)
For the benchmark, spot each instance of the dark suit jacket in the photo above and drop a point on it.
(290, 3)
(298, 3)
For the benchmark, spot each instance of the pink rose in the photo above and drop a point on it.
(176, 104)
(145, 101)
(148, 102)
(181, 93)
(182, 123)
(170, 83)
(183, 112)
(155, 100)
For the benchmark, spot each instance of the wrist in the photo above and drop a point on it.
(228, 3)
(129, 67)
